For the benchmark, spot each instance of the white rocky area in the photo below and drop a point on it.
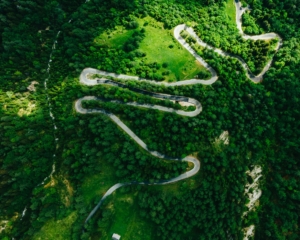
(254, 193)
(31, 87)
(3, 225)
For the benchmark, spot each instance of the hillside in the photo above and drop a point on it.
(162, 119)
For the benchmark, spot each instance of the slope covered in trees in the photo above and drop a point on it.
(92, 154)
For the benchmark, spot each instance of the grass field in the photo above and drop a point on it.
(230, 10)
(160, 46)
(58, 230)
(114, 39)
(127, 221)
(156, 44)
(94, 187)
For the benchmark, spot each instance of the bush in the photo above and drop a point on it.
(166, 72)
(133, 25)
(128, 46)
(164, 65)
(133, 43)
(183, 34)
(203, 75)
(158, 76)
(139, 53)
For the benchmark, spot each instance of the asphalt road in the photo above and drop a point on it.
(84, 79)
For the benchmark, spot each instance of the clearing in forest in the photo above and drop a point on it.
(174, 62)
(230, 10)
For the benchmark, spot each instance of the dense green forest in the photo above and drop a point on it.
(91, 153)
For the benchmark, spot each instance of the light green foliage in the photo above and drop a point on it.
(114, 38)
(230, 10)
(159, 46)
(94, 187)
(249, 25)
(56, 229)
(124, 218)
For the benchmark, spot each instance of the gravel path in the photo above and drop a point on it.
(91, 82)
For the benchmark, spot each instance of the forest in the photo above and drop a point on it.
(90, 153)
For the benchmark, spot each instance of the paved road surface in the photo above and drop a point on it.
(84, 79)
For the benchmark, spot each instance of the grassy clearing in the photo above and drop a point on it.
(114, 39)
(157, 45)
(160, 46)
(230, 10)
(58, 230)
(94, 187)
(127, 221)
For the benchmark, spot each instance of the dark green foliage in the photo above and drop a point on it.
(133, 43)
(133, 25)
(262, 119)
(217, 198)
(164, 65)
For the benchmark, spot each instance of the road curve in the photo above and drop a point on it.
(177, 30)
(238, 18)
(141, 143)
(84, 79)
(180, 99)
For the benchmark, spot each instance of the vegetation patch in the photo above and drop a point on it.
(262, 120)
(95, 186)
(230, 10)
(125, 218)
(56, 229)
(158, 55)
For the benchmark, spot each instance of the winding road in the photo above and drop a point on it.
(84, 79)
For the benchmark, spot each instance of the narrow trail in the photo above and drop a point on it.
(84, 79)
(45, 83)
(50, 108)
